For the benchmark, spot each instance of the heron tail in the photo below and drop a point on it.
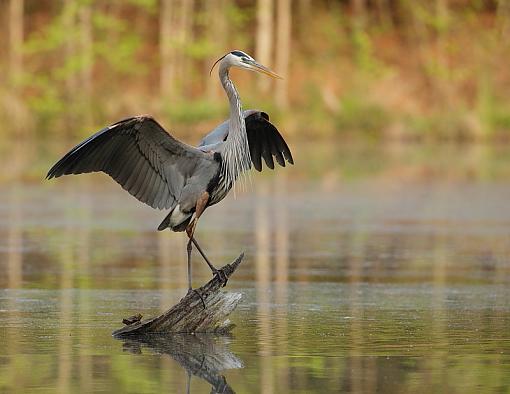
(166, 221)
(176, 220)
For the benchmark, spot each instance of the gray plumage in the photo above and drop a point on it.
(165, 173)
(144, 159)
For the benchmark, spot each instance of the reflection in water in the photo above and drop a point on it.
(85, 309)
(263, 280)
(14, 269)
(395, 279)
(66, 260)
(281, 229)
(15, 241)
(201, 355)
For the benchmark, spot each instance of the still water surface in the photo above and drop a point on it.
(367, 270)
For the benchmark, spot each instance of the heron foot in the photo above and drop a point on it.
(222, 277)
(190, 290)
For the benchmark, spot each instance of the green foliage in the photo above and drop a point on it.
(200, 49)
(58, 50)
(237, 16)
(47, 104)
(447, 125)
(493, 111)
(238, 19)
(501, 118)
(122, 59)
(363, 52)
(447, 63)
(358, 114)
(188, 112)
(146, 5)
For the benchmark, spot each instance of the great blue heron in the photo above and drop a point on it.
(165, 173)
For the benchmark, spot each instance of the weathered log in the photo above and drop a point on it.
(201, 355)
(203, 310)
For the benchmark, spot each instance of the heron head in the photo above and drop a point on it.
(243, 60)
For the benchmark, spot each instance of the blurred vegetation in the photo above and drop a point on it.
(388, 69)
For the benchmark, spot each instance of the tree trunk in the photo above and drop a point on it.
(283, 51)
(442, 86)
(359, 8)
(69, 22)
(13, 105)
(186, 35)
(503, 15)
(15, 37)
(87, 61)
(203, 310)
(303, 14)
(176, 29)
(217, 33)
(384, 11)
(166, 70)
(264, 39)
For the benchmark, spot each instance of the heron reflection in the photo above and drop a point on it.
(201, 355)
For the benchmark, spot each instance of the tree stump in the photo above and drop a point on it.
(206, 313)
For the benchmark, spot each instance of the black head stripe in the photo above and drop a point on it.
(239, 53)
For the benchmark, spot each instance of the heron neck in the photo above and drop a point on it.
(236, 153)
(236, 121)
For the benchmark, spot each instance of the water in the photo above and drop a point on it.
(367, 269)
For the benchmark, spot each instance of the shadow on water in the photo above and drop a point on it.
(201, 355)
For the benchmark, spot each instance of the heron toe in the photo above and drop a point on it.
(195, 291)
(222, 277)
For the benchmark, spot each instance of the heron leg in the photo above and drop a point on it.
(212, 267)
(190, 230)
(190, 288)
(188, 382)
(199, 209)
(221, 275)
(188, 250)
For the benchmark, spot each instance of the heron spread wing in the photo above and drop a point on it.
(140, 155)
(264, 140)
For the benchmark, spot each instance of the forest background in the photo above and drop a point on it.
(435, 70)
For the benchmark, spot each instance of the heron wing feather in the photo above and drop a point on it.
(265, 141)
(141, 156)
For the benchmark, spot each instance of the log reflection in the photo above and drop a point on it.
(201, 355)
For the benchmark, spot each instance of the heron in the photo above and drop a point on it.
(165, 173)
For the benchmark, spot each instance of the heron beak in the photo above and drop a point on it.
(262, 69)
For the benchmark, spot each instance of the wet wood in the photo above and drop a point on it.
(189, 315)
